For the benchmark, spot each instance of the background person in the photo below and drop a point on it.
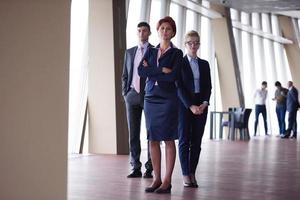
(292, 105)
(280, 97)
(260, 97)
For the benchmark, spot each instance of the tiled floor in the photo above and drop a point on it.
(261, 169)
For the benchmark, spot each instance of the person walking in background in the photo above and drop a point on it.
(292, 105)
(133, 93)
(280, 98)
(161, 67)
(194, 94)
(260, 97)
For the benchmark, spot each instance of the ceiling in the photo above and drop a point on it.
(285, 7)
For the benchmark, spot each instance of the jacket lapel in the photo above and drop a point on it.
(189, 68)
(132, 61)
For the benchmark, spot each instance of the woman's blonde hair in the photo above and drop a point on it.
(191, 33)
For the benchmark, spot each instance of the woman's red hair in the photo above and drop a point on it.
(169, 20)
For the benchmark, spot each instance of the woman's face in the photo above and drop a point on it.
(165, 31)
(192, 45)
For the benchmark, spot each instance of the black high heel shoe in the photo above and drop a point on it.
(152, 189)
(164, 191)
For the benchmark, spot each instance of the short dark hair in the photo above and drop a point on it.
(277, 84)
(264, 83)
(144, 24)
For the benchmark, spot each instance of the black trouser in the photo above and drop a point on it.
(134, 115)
(260, 109)
(191, 129)
(292, 126)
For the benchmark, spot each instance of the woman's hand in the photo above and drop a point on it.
(202, 107)
(166, 70)
(195, 109)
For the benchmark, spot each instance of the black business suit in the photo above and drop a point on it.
(191, 127)
(134, 107)
(292, 105)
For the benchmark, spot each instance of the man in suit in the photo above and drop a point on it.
(194, 93)
(133, 93)
(292, 105)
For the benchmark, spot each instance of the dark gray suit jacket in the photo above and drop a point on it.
(128, 71)
(292, 102)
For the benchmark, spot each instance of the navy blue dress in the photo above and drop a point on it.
(161, 100)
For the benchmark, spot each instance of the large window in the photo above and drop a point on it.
(78, 73)
(132, 21)
(174, 13)
(190, 20)
(154, 17)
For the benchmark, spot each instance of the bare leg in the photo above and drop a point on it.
(170, 162)
(156, 162)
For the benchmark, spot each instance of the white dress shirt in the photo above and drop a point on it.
(135, 83)
(260, 96)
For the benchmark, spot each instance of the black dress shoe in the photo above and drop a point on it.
(148, 174)
(164, 191)
(151, 189)
(187, 184)
(285, 136)
(195, 185)
(135, 174)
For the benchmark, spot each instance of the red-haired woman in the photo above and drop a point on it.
(161, 66)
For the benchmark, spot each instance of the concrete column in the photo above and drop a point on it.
(292, 50)
(119, 28)
(101, 95)
(34, 88)
(229, 75)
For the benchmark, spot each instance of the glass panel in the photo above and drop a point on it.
(132, 21)
(154, 17)
(174, 12)
(78, 72)
(190, 20)
(205, 39)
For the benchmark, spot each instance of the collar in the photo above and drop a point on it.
(171, 46)
(145, 45)
(190, 58)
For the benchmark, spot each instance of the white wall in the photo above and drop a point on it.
(34, 67)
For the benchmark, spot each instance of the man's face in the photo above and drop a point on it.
(264, 86)
(143, 33)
